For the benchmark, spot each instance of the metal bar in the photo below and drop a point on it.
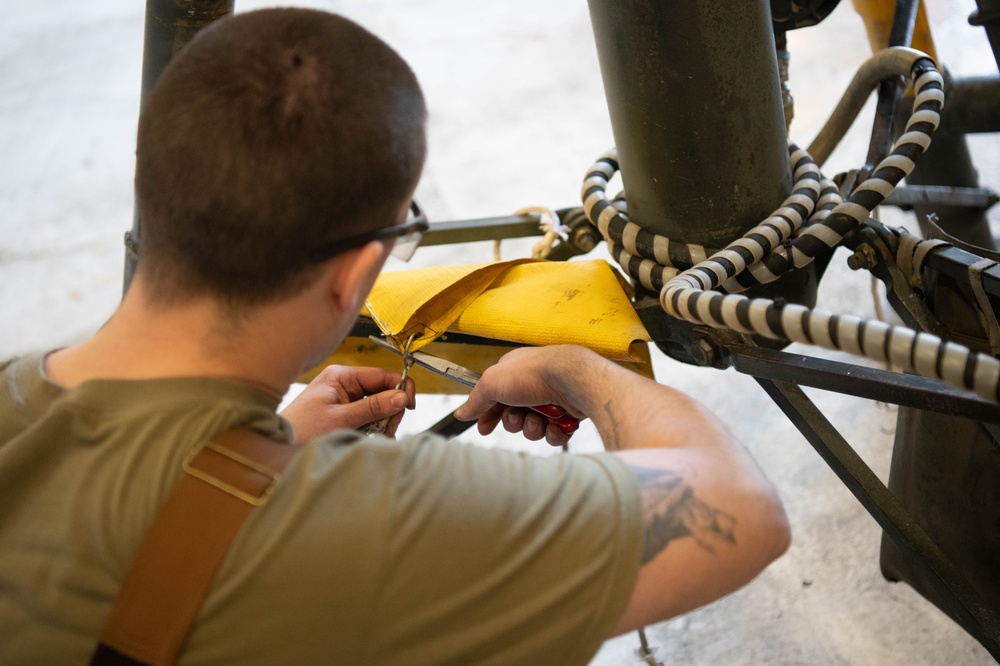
(954, 262)
(961, 601)
(695, 104)
(870, 383)
(489, 228)
(904, 19)
(937, 195)
(170, 24)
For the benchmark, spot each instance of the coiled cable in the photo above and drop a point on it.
(812, 220)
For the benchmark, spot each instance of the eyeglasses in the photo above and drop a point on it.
(408, 235)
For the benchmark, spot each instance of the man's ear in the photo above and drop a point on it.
(353, 274)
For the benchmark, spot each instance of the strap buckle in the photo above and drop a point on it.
(226, 487)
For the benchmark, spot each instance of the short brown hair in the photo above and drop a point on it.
(271, 133)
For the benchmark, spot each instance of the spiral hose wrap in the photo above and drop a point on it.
(811, 221)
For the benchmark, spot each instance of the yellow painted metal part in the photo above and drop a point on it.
(877, 15)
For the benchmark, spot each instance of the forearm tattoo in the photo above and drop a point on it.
(671, 511)
(615, 441)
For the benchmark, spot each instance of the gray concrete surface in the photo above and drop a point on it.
(517, 116)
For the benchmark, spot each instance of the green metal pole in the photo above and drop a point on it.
(696, 110)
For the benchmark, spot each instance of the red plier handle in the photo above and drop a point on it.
(558, 417)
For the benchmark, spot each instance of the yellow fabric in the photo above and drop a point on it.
(426, 301)
(525, 301)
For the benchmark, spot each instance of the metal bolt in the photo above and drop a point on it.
(864, 258)
(704, 352)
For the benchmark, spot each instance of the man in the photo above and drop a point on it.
(276, 162)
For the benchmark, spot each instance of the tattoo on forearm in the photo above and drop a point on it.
(616, 442)
(671, 511)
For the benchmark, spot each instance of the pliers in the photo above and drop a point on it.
(555, 414)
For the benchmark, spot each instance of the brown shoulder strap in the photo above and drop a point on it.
(223, 481)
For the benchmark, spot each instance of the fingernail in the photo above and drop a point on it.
(513, 419)
(399, 400)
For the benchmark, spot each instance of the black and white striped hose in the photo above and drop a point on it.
(811, 221)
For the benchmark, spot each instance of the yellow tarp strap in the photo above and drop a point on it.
(525, 301)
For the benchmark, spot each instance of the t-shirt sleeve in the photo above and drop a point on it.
(499, 557)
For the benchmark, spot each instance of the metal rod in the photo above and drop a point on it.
(880, 66)
(904, 18)
(489, 228)
(890, 91)
(954, 262)
(960, 600)
(646, 653)
(939, 195)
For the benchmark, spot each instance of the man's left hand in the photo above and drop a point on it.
(343, 397)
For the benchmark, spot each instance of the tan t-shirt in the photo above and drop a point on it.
(371, 551)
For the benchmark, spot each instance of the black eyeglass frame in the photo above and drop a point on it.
(407, 234)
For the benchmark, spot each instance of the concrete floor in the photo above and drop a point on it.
(517, 116)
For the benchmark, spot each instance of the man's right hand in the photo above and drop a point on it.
(525, 378)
